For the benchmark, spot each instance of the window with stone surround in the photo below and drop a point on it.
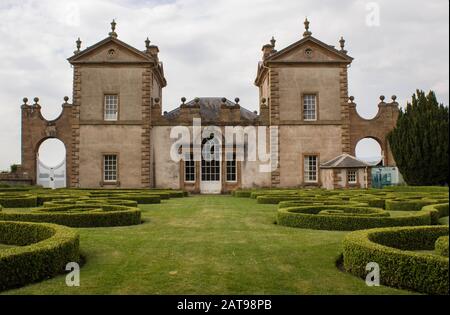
(110, 168)
(310, 107)
(111, 107)
(351, 176)
(189, 168)
(231, 167)
(311, 168)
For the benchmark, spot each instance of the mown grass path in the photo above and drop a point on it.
(209, 245)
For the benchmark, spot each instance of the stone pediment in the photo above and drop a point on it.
(111, 50)
(312, 50)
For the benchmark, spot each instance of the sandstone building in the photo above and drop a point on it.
(117, 135)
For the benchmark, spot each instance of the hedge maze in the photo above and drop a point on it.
(41, 251)
(35, 226)
(398, 228)
(402, 229)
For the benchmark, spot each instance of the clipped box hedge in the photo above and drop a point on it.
(242, 193)
(79, 215)
(308, 217)
(276, 199)
(441, 246)
(18, 200)
(408, 204)
(437, 211)
(43, 251)
(372, 201)
(393, 250)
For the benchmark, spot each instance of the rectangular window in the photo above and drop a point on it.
(189, 168)
(310, 168)
(110, 168)
(231, 167)
(309, 107)
(351, 176)
(111, 107)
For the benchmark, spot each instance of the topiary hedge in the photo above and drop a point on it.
(18, 200)
(437, 211)
(441, 246)
(79, 215)
(275, 199)
(242, 193)
(372, 201)
(43, 251)
(117, 202)
(408, 204)
(400, 267)
(348, 218)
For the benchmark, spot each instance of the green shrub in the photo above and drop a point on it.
(408, 204)
(275, 199)
(9, 200)
(79, 215)
(43, 251)
(372, 201)
(355, 218)
(400, 267)
(141, 198)
(437, 211)
(441, 246)
(242, 193)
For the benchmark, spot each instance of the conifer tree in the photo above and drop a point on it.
(419, 142)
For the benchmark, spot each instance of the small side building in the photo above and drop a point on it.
(345, 171)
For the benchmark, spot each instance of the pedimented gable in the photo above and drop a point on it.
(110, 50)
(310, 50)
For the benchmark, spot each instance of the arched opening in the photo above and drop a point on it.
(51, 164)
(369, 150)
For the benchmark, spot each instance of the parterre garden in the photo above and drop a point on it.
(385, 234)
(34, 225)
(224, 244)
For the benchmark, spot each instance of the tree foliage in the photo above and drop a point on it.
(419, 142)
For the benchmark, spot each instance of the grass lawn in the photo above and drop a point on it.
(209, 245)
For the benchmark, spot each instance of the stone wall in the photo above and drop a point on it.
(376, 128)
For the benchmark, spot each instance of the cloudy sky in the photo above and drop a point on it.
(211, 48)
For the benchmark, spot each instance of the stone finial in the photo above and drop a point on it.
(352, 99)
(165, 113)
(237, 100)
(307, 31)
(66, 100)
(224, 100)
(394, 98)
(263, 101)
(273, 41)
(255, 112)
(183, 100)
(25, 101)
(147, 44)
(78, 42)
(197, 100)
(36, 101)
(382, 98)
(156, 100)
(113, 29)
(342, 44)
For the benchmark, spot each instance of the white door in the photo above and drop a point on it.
(211, 181)
(51, 177)
(210, 177)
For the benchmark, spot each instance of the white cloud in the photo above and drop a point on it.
(211, 48)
